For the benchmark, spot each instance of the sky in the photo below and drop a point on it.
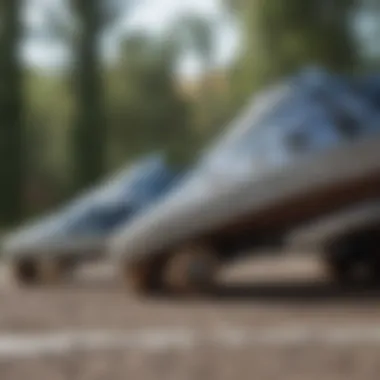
(155, 15)
(149, 15)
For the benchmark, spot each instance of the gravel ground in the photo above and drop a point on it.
(306, 363)
(261, 294)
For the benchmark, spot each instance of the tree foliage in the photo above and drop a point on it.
(146, 110)
(281, 37)
(81, 123)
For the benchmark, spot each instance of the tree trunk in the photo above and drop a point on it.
(89, 130)
(11, 113)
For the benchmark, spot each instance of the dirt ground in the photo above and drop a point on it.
(310, 363)
(265, 294)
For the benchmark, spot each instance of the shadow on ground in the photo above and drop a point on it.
(296, 292)
(301, 292)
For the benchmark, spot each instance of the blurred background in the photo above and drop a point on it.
(87, 86)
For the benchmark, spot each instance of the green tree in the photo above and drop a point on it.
(281, 37)
(80, 25)
(198, 35)
(82, 30)
(89, 129)
(147, 112)
(49, 115)
(11, 113)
